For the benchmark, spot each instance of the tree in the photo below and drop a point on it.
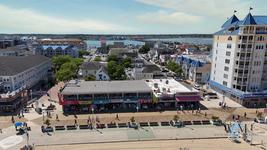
(112, 58)
(83, 53)
(132, 119)
(127, 62)
(171, 65)
(144, 49)
(57, 61)
(90, 78)
(64, 74)
(97, 58)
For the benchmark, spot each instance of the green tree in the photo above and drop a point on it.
(112, 58)
(64, 74)
(83, 53)
(69, 65)
(171, 65)
(127, 62)
(90, 78)
(97, 58)
(57, 61)
(144, 49)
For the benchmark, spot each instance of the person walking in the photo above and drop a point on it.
(75, 122)
(117, 116)
(245, 115)
(57, 117)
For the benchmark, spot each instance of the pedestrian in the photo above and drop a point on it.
(12, 119)
(238, 117)
(233, 117)
(245, 115)
(75, 116)
(75, 122)
(57, 117)
(205, 114)
(117, 116)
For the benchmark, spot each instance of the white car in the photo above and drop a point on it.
(197, 87)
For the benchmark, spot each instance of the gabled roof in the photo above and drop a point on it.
(249, 20)
(230, 21)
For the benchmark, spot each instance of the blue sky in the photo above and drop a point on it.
(121, 16)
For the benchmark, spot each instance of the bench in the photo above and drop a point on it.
(153, 124)
(205, 122)
(71, 127)
(187, 122)
(100, 126)
(165, 123)
(122, 125)
(59, 128)
(143, 124)
(112, 125)
(84, 127)
(197, 122)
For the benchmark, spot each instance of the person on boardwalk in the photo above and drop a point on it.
(57, 117)
(245, 115)
(117, 116)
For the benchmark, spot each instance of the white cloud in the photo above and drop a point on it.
(215, 8)
(165, 18)
(27, 21)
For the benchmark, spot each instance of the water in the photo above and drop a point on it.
(97, 43)
(206, 41)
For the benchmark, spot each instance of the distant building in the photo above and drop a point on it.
(196, 68)
(17, 72)
(96, 69)
(54, 47)
(19, 50)
(123, 53)
(150, 71)
(239, 60)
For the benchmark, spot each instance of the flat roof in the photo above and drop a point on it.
(162, 88)
(102, 87)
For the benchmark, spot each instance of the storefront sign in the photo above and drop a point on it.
(85, 102)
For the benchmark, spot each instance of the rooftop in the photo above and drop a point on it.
(103, 87)
(12, 65)
(160, 87)
(231, 26)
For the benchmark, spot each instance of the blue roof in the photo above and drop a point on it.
(260, 20)
(230, 21)
(233, 23)
(249, 20)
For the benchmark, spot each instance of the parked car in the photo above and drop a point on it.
(196, 86)
(210, 95)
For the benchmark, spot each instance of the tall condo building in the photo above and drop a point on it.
(239, 60)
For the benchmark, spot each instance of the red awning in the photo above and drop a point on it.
(188, 98)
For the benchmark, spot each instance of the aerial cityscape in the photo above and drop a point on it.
(133, 74)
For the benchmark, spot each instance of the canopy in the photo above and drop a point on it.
(19, 124)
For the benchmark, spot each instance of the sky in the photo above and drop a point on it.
(122, 16)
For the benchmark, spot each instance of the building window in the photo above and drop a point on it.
(227, 61)
(229, 45)
(228, 53)
(224, 83)
(225, 76)
(226, 68)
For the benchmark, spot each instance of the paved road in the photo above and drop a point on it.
(218, 144)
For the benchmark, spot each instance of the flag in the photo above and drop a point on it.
(235, 11)
(250, 8)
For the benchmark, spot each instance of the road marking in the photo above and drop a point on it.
(10, 141)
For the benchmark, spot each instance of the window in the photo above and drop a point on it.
(228, 53)
(229, 38)
(250, 38)
(227, 61)
(229, 45)
(225, 76)
(224, 83)
(226, 68)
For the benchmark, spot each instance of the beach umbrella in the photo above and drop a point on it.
(19, 124)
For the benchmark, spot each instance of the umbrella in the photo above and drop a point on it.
(19, 124)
